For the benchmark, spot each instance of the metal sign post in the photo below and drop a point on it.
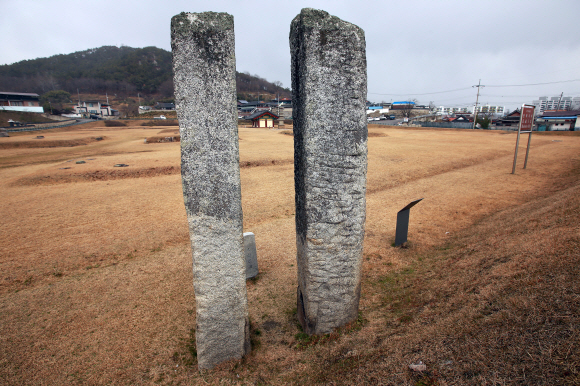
(525, 126)
(403, 223)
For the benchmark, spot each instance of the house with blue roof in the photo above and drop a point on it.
(559, 121)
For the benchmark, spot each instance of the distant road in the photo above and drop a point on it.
(55, 126)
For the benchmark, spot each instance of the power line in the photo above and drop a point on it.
(467, 88)
(535, 84)
(538, 73)
(428, 93)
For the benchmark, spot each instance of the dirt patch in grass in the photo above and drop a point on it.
(161, 122)
(42, 143)
(161, 139)
(256, 163)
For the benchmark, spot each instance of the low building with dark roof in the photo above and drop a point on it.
(559, 121)
(512, 119)
(164, 106)
(20, 101)
(263, 119)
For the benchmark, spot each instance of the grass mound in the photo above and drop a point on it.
(173, 131)
(23, 117)
(161, 122)
(99, 175)
(110, 123)
(162, 139)
(42, 143)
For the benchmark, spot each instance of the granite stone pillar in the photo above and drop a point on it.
(329, 86)
(204, 71)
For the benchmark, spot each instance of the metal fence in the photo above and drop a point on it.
(446, 125)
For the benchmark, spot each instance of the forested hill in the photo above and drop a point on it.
(105, 69)
(115, 70)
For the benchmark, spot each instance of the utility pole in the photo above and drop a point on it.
(476, 102)
(559, 100)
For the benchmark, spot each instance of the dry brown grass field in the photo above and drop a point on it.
(96, 272)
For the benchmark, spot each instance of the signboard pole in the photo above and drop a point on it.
(528, 150)
(516, 153)
(525, 126)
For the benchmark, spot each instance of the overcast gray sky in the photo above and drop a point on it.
(415, 48)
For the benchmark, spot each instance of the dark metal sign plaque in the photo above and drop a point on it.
(403, 223)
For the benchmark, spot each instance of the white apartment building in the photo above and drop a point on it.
(442, 110)
(556, 103)
(499, 110)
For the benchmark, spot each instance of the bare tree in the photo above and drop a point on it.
(432, 107)
(407, 108)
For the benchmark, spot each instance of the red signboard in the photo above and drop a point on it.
(526, 119)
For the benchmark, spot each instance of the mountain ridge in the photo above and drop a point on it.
(123, 70)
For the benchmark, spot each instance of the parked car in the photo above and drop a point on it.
(160, 117)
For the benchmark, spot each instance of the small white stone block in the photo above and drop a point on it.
(251, 255)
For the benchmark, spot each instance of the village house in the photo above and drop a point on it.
(559, 121)
(263, 119)
(18, 101)
(512, 119)
(95, 108)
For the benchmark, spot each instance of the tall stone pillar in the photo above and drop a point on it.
(204, 71)
(329, 86)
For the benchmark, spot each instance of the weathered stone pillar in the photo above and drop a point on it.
(329, 86)
(204, 71)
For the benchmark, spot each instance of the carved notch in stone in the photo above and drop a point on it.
(329, 86)
(204, 71)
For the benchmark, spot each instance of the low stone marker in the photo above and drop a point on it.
(329, 86)
(204, 71)
(251, 255)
